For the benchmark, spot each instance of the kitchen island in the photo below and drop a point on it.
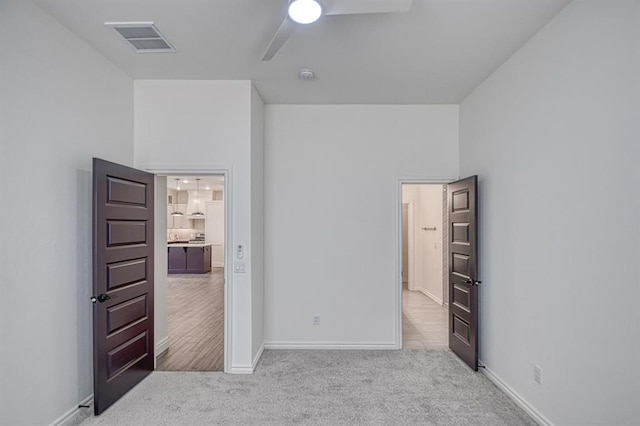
(189, 258)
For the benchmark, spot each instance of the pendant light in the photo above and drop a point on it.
(175, 211)
(198, 213)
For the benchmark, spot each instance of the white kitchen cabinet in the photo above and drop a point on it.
(177, 222)
(214, 231)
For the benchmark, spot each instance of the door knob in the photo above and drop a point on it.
(472, 282)
(101, 298)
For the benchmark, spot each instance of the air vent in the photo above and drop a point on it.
(144, 37)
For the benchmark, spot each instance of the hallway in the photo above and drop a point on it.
(424, 322)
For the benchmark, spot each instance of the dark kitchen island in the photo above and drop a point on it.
(189, 258)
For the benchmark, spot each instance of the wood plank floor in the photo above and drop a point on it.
(195, 315)
(195, 310)
(424, 322)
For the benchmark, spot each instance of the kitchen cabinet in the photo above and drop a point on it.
(214, 230)
(177, 222)
(189, 258)
(177, 259)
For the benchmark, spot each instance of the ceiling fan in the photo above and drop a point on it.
(329, 7)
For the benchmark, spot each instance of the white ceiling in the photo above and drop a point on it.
(436, 53)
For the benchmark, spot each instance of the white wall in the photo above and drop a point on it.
(405, 242)
(61, 104)
(257, 224)
(331, 209)
(431, 241)
(199, 126)
(411, 196)
(554, 138)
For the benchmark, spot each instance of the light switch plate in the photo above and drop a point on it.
(238, 266)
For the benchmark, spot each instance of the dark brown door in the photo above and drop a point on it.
(463, 270)
(123, 346)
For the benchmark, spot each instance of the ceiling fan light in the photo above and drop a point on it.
(305, 11)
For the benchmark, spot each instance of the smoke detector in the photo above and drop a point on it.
(306, 74)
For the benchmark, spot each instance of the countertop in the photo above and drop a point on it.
(170, 244)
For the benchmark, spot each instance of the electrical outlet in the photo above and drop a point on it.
(537, 374)
(316, 319)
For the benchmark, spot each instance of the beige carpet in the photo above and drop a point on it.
(409, 387)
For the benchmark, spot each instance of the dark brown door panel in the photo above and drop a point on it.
(123, 341)
(463, 270)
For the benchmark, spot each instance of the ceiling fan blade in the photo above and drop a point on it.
(287, 28)
(350, 7)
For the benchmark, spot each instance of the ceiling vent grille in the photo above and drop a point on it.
(144, 37)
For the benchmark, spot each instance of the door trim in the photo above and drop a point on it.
(398, 244)
(227, 172)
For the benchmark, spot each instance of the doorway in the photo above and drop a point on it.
(424, 268)
(195, 274)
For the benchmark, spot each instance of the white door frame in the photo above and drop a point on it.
(398, 245)
(228, 246)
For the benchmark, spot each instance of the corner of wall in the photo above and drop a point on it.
(257, 223)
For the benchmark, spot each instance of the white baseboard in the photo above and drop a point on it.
(537, 416)
(332, 345)
(241, 369)
(217, 264)
(71, 417)
(432, 297)
(162, 346)
(248, 369)
(256, 358)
